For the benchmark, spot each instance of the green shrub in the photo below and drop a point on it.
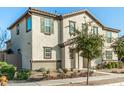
(116, 64)
(109, 66)
(120, 64)
(3, 64)
(8, 70)
(23, 74)
(113, 64)
(65, 70)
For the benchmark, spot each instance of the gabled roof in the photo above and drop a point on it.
(111, 29)
(92, 17)
(36, 11)
(29, 12)
(80, 12)
(33, 10)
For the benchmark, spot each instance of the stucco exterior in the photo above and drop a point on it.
(23, 41)
(79, 19)
(32, 43)
(41, 40)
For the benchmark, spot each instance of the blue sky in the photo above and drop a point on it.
(111, 17)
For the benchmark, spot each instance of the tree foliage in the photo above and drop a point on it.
(89, 45)
(118, 47)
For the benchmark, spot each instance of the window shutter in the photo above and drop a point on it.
(52, 26)
(42, 24)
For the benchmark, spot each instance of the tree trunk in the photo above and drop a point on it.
(78, 59)
(88, 67)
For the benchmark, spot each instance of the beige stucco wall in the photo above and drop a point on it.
(22, 41)
(40, 40)
(79, 19)
(48, 65)
(32, 43)
(108, 45)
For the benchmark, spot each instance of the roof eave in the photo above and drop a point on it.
(32, 10)
(21, 17)
(111, 29)
(29, 12)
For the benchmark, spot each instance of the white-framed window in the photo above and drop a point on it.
(109, 55)
(109, 37)
(47, 24)
(47, 52)
(95, 30)
(71, 26)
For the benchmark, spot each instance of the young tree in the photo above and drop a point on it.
(118, 47)
(89, 46)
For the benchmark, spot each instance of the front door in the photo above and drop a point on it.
(72, 58)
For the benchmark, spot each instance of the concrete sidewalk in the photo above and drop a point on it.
(114, 84)
(67, 81)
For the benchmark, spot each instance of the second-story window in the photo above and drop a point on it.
(71, 27)
(109, 37)
(17, 29)
(47, 25)
(28, 24)
(85, 28)
(95, 30)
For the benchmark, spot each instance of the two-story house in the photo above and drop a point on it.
(42, 39)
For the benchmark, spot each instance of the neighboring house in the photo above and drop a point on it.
(4, 52)
(43, 38)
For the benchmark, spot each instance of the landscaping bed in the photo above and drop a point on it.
(111, 67)
(114, 70)
(9, 72)
(53, 75)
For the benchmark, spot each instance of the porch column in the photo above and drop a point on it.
(80, 62)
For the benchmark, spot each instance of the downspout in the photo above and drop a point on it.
(30, 64)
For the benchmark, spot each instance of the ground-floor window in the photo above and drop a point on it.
(47, 52)
(108, 55)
